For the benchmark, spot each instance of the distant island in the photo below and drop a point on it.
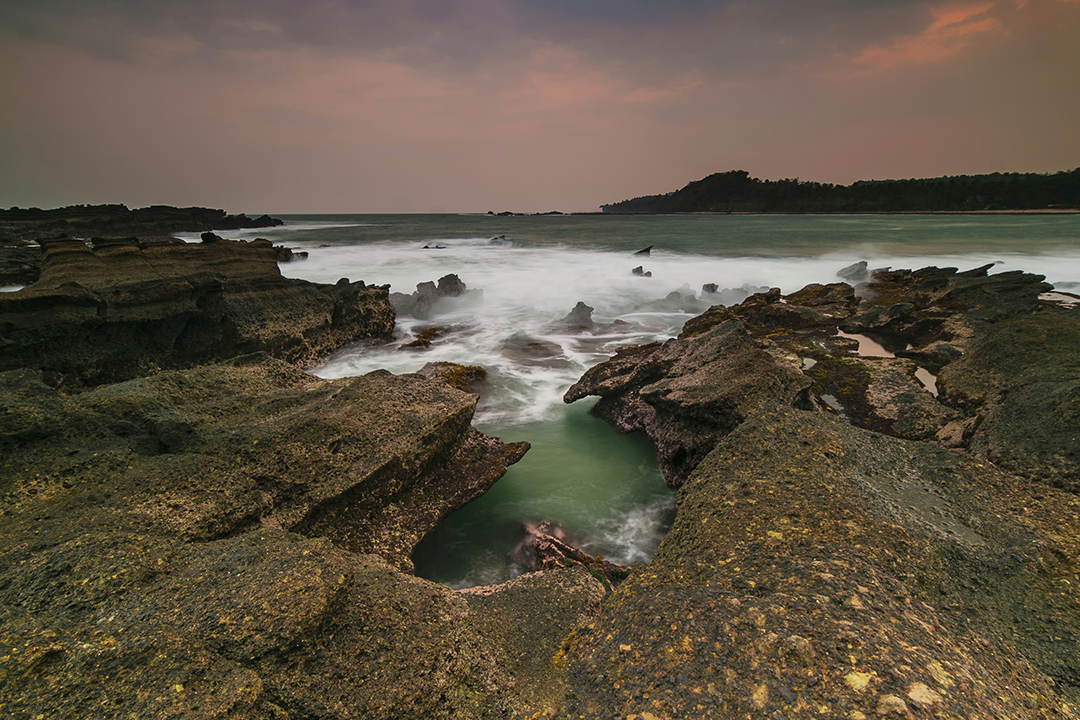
(89, 220)
(737, 192)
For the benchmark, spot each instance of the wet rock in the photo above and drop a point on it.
(548, 545)
(127, 308)
(466, 378)
(688, 393)
(854, 273)
(639, 271)
(534, 352)
(450, 286)
(421, 303)
(644, 251)
(580, 318)
(541, 543)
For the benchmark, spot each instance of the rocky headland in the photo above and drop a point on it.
(23, 224)
(193, 527)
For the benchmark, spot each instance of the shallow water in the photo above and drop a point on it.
(532, 270)
(603, 487)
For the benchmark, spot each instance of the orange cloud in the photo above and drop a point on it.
(953, 29)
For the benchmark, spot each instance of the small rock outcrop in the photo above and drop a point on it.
(421, 302)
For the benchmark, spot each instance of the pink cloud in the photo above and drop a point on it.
(953, 29)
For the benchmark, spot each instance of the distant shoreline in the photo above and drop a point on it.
(1048, 211)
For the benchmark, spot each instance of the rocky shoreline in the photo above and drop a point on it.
(194, 527)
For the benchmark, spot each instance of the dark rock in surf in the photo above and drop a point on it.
(645, 251)
(548, 545)
(580, 318)
(421, 303)
(534, 352)
(639, 271)
(450, 286)
(854, 273)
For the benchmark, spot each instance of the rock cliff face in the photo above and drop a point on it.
(121, 308)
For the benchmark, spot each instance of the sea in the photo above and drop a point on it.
(529, 271)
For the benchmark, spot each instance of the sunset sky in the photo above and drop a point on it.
(529, 105)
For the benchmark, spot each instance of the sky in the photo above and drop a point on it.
(322, 106)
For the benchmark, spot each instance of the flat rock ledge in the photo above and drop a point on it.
(121, 308)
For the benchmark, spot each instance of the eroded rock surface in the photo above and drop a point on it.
(815, 568)
(228, 541)
(124, 308)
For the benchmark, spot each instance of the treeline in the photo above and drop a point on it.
(736, 191)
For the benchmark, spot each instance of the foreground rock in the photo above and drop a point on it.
(227, 541)
(123, 308)
(87, 221)
(829, 556)
(816, 569)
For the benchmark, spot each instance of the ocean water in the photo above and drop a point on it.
(532, 270)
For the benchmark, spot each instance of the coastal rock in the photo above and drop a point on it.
(86, 221)
(466, 378)
(687, 393)
(421, 303)
(125, 308)
(534, 352)
(225, 540)
(854, 273)
(1022, 381)
(19, 264)
(904, 562)
(579, 319)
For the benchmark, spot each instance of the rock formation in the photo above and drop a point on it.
(422, 301)
(86, 221)
(119, 308)
(847, 561)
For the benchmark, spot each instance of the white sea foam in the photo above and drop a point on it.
(528, 289)
(633, 534)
